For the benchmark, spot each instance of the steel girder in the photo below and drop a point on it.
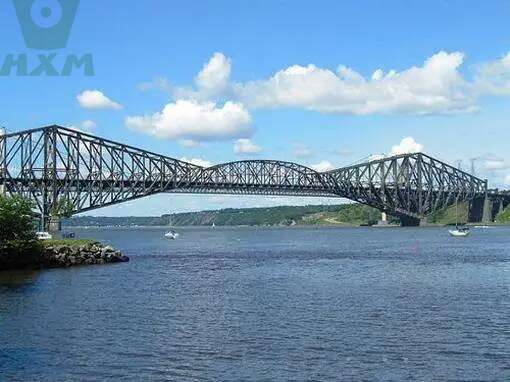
(54, 164)
(414, 185)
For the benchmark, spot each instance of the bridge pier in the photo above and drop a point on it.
(384, 219)
(487, 210)
(54, 225)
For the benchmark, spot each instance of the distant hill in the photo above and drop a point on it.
(344, 214)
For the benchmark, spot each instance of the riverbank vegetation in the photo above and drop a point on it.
(20, 248)
(340, 215)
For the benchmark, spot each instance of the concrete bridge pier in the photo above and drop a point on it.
(487, 216)
(54, 225)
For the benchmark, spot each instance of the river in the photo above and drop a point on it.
(255, 304)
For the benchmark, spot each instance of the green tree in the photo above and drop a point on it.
(18, 243)
(63, 208)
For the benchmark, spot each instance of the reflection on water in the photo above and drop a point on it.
(14, 279)
(237, 304)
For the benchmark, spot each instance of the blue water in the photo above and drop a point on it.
(253, 304)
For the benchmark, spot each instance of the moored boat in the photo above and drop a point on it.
(171, 235)
(459, 232)
(43, 235)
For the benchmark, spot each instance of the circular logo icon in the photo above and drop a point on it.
(46, 13)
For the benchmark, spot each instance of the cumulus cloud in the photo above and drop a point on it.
(246, 146)
(215, 74)
(211, 83)
(197, 161)
(407, 146)
(434, 87)
(322, 166)
(189, 119)
(95, 99)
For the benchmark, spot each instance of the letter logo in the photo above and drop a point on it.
(46, 24)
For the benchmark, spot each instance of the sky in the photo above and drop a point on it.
(320, 83)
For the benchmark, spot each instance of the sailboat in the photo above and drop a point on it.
(458, 231)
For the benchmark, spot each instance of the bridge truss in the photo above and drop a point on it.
(54, 166)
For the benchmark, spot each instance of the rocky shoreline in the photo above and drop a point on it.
(61, 255)
(64, 256)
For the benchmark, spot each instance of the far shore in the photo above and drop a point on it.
(429, 225)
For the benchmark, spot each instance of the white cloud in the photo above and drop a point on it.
(215, 74)
(435, 87)
(188, 119)
(197, 161)
(301, 151)
(94, 99)
(323, 166)
(506, 181)
(246, 146)
(494, 77)
(212, 83)
(407, 146)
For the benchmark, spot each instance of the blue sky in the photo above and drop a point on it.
(293, 80)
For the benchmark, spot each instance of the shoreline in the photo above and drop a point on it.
(64, 253)
(479, 224)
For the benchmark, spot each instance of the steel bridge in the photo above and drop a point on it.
(57, 166)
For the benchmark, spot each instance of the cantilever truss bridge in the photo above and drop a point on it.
(53, 164)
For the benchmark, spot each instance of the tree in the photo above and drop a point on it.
(63, 208)
(18, 243)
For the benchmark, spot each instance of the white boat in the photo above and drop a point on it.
(482, 226)
(171, 235)
(43, 235)
(459, 232)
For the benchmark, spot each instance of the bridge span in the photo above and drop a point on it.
(56, 166)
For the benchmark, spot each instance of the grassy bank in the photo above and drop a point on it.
(341, 215)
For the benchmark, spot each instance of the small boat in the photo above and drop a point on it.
(43, 236)
(171, 235)
(482, 226)
(459, 232)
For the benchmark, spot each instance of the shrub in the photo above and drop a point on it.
(19, 246)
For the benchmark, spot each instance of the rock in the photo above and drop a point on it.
(88, 254)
